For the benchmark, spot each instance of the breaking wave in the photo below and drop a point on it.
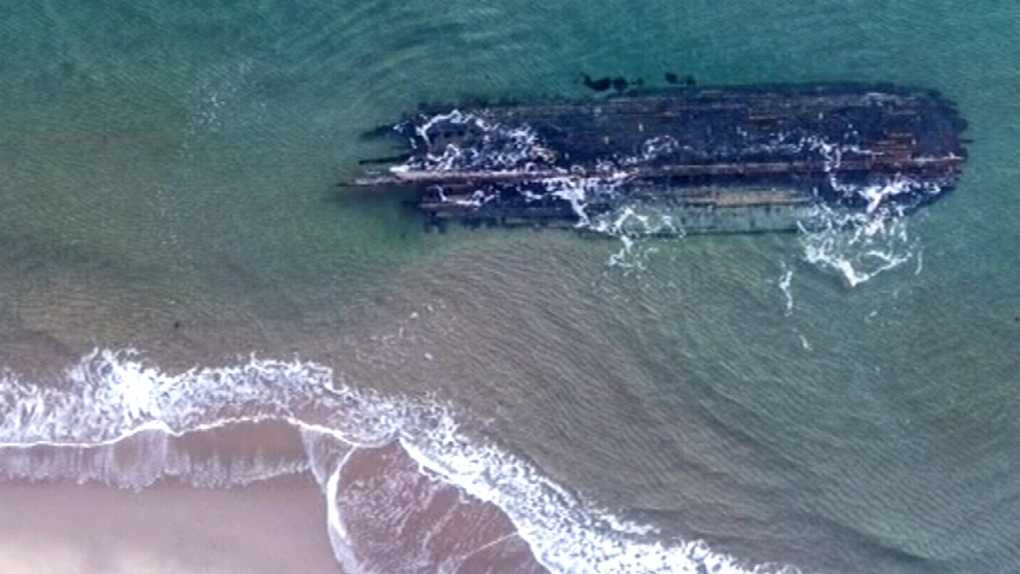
(118, 420)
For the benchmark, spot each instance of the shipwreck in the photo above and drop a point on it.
(738, 158)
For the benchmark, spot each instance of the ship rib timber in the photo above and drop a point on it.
(688, 148)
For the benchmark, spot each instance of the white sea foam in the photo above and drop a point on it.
(140, 460)
(861, 244)
(856, 245)
(115, 400)
(565, 533)
(580, 192)
(785, 283)
(631, 222)
(498, 146)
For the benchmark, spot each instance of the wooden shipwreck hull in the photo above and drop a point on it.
(707, 159)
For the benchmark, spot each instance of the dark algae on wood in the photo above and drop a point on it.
(731, 158)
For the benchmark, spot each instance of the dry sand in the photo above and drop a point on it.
(269, 528)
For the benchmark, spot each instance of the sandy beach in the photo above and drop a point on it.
(268, 528)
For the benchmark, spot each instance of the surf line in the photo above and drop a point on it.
(116, 390)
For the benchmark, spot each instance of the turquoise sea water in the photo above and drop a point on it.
(166, 184)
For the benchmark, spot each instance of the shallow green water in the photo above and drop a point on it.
(166, 182)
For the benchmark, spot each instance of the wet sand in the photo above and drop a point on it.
(396, 516)
(267, 528)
